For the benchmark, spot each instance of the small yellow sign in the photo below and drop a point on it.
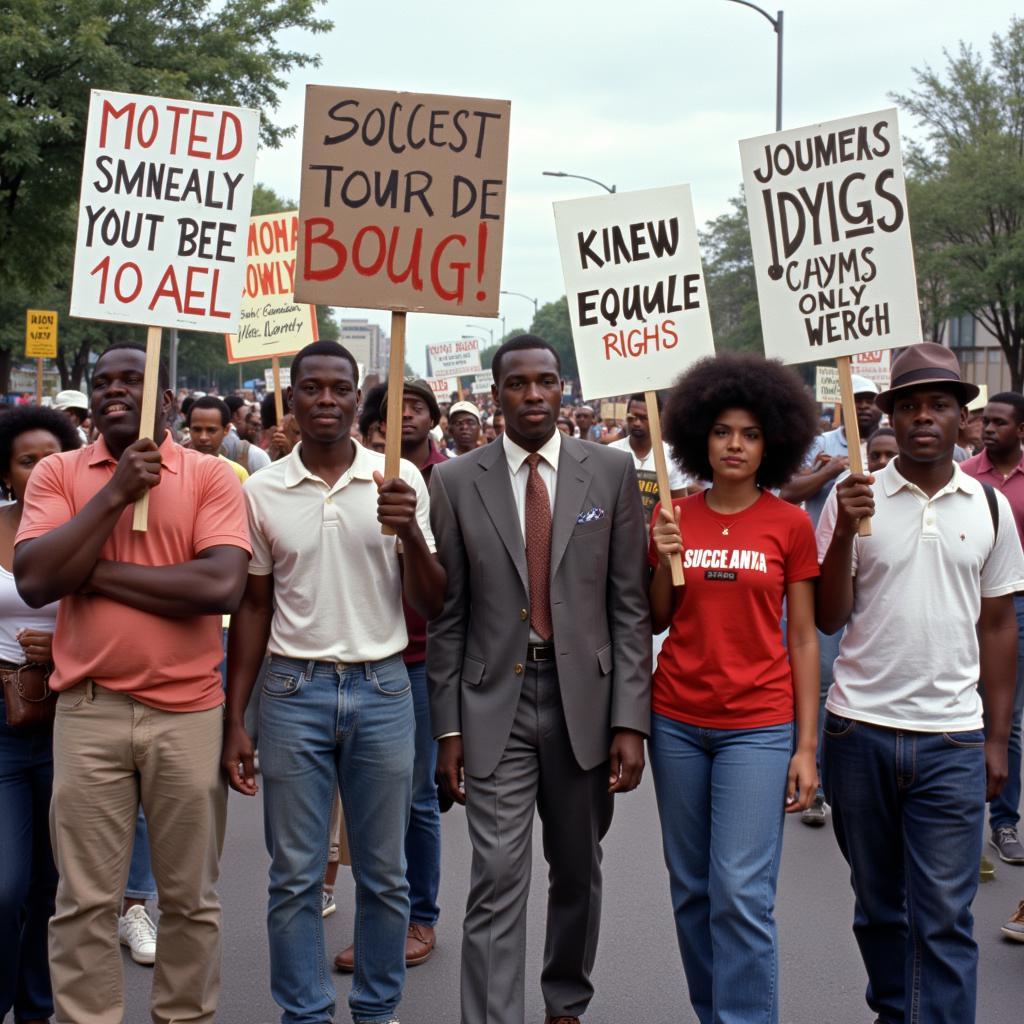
(41, 333)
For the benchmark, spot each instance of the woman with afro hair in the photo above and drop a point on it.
(726, 759)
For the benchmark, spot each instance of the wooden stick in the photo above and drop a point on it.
(278, 397)
(39, 382)
(150, 391)
(661, 469)
(396, 390)
(852, 430)
(837, 414)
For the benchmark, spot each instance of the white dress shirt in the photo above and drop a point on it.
(519, 471)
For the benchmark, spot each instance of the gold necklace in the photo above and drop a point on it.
(727, 526)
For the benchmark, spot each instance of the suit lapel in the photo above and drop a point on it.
(573, 480)
(495, 490)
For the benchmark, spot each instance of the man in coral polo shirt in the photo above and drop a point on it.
(140, 712)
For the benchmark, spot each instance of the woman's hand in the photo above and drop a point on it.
(667, 538)
(37, 645)
(802, 784)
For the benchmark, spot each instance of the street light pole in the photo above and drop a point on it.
(582, 177)
(523, 295)
(776, 23)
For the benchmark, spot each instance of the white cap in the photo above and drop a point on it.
(71, 400)
(464, 407)
(863, 386)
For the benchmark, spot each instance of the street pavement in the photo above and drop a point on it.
(638, 977)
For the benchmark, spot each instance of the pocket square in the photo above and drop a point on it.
(591, 515)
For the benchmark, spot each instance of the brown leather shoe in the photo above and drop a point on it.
(548, 1019)
(345, 961)
(419, 944)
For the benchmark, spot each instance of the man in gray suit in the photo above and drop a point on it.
(541, 706)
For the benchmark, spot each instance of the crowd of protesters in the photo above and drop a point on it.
(397, 644)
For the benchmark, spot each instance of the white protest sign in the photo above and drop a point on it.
(876, 366)
(833, 259)
(271, 323)
(453, 358)
(826, 385)
(482, 383)
(635, 288)
(164, 208)
(286, 377)
(443, 387)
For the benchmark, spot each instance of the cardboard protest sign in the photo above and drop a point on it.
(443, 387)
(402, 201)
(635, 288)
(826, 385)
(165, 199)
(453, 358)
(271, 323)
(833, 259)
(41, 334)
(875, 365)
(482, 382)
(284, 372)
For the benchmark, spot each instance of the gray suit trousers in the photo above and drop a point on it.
(537, 769)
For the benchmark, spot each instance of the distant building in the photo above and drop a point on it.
(368, 343)
(979, 352)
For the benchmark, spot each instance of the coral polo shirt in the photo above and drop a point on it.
(168, 663)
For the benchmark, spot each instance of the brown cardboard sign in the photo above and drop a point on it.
(402, 201)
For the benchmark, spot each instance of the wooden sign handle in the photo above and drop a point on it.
(275, 364)
(150, 391)
(39, 382)
(852, 430)
(661, 469)
(396, 390)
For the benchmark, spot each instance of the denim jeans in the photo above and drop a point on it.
(908, 809)
(721, 794)
(327, 726)
(1004, 811)
(423, 839)
(28, 878)
(141, 883)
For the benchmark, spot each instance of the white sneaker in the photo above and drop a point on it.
(137, 931)
(327, 904)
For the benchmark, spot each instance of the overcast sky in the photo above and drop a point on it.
(637, 94)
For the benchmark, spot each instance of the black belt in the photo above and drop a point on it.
(540, 652)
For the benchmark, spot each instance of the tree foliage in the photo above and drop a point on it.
(552, 323)
(966, 190)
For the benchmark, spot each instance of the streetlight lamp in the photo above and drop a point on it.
(481, 327)
(776, 24)
(523, 295)
(582, 177)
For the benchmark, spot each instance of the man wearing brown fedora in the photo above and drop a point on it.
(909, 751)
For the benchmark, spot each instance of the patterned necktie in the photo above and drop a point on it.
(538, 549)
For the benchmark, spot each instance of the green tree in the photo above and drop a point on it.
(552, 323)
(967, 190)
(729, 278)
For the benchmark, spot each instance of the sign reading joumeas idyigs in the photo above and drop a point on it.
(833, 258)
(166, 193)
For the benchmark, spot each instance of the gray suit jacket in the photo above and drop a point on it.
(476, 648)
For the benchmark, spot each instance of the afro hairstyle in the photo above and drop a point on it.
(23, 418)
(773, 394)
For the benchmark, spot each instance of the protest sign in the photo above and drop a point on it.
(833, 258)
(271, 323)
(482, 382)
(875, 366)
(443, 387)
(401, 207)
(453, 358)
(40, 342)
(637, 302)
(165, 200)
(826, 385)
(284, 377)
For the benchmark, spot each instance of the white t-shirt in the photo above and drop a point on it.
(647, 476)
(15, 615)
(909, 657)
(337, 582)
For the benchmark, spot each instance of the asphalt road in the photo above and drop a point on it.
(638, 977)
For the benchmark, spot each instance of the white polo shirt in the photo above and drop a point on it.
(337, 582)
(909, 656)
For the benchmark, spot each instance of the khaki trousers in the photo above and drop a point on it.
(110, 752)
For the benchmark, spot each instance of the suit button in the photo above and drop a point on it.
(519, 668)
(523, 614)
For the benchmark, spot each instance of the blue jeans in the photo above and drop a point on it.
(721, 794)
(28, 878)
(1004, 811)
(141, 883)
(325, 727)
(423, 839)
(908, 809)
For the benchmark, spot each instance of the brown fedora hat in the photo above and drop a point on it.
(922, 364)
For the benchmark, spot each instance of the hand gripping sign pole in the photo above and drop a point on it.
(150, 394)
(396, 392)
(852, 428)
(661, 469)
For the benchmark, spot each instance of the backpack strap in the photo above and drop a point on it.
(993, 507)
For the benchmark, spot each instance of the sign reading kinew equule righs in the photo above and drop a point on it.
(833, 257)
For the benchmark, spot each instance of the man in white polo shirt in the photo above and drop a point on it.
(908, 745)
(324, 598)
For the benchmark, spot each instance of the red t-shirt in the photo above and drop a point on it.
(723, 665)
